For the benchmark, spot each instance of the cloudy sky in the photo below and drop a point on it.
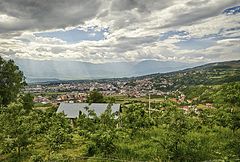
(120, 30)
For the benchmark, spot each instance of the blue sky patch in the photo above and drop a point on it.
(190, 43)
(232, 10)
(196, 43)
(75, 35)
(169, 34)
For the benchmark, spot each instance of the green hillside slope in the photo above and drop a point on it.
(209, 74)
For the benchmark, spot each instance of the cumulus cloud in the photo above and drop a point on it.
(133, 30)
(45, 14)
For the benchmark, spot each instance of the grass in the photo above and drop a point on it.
(42, 105)
(201, 106)
(40, 151)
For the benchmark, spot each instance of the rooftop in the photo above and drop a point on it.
(71, 110)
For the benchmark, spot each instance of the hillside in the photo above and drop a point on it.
(209, 74)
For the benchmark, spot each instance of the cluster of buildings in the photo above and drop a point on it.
(41, 99)
(71, 97)
(77, 92)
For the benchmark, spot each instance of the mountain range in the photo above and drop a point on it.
(49, 70)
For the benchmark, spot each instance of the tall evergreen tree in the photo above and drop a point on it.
(11, 81)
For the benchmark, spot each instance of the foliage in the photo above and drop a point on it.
(11, 81)
(27, 101)
(231, 94)
(95, 97)
(58, 133)
(101, 131)
(17, 132)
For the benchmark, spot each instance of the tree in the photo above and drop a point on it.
(105, 134)
(95, 97)
(11, 81)
(59, 131)
(231, 94)
(136, 118)
(16, 128)
(27, 101)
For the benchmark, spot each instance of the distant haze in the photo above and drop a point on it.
(36, 70)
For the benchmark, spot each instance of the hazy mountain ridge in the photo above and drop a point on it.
(37, 71)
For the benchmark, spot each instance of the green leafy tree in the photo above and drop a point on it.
(95, 97)
(11, 81)
(231, 94)
(101, 131)
(135, 118)
(58, 132)
(227, 98)
(87, 124)
(27, 101)
(16, 129)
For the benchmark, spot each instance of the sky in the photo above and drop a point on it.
(100, 31)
